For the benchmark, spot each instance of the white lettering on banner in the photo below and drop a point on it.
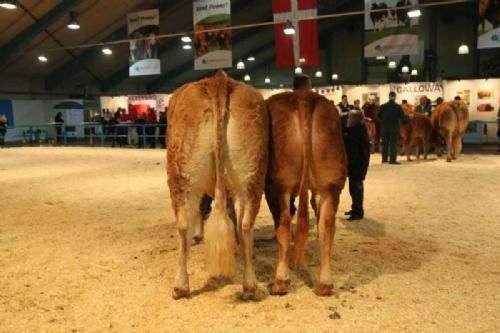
(294, 17)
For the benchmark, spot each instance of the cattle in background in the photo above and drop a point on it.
(372, 131)
(402, 14)
(381, 16)
(489, 10)
(217, 146)
(306, 152)
(417, 133)
(450, 121)
(371, 111)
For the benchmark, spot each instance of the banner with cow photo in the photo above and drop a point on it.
(489, 24)
(390, 31)
(143, 30)
(212, 49)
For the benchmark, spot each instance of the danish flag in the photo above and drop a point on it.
(302, 47)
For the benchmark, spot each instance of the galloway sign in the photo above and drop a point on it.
(413, 91)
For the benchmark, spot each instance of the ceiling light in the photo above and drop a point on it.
(186, 39)
(463, 49)
(414, 13)
(73, 22)
(318, 74)
(392, 64)
(298, 70)
(251, 58)
(405, 69)
(289, 29)
(247, 78)
(380, 58)
(43, 58)
(187, 47)
(107, 51)
(335, 76)
(8, 4)
(414, 72)
(267, 80)
(240, 65)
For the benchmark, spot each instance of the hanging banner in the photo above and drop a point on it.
(489, 24)
(212, 49)
(412, 92)
(144, 27)
(390, 31)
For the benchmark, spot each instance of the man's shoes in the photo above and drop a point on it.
(394, 163)
(354, 218)
(348, 213)
(384, 161)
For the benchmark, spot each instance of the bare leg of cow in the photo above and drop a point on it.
(449, 144)
(247, 222)
(181, 285)
(326, 228)
(281, 281)
(273, 201)
(408, 149)
(301, 231)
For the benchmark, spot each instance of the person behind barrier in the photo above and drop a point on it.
(123, 129)
(162, 127)
(391, 114)
(151, 128)
(357, 145)
(4, 122)
(140, 121)
(58, 120)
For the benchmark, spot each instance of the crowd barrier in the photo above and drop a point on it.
(91, 134)
(143, 135)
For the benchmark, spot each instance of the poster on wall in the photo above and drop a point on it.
(489, 24)
(390, 31)
(212, 50)
(485, 100)
(144, 28)
(412, 92)
(371, 98)
(464, 95)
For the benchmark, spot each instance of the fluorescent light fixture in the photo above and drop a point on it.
(298, 70)
(240, 65)
(247, 78)
(405, 69)
(186, 39)
(380, 58)
(251, 58)
(107, 51)
(43, 58)
(289, 29)
(318, 74)
(267, 80)
(187, 47)
(463, 49)
(73, 23)
(414, 72)
(414, 13)
(8, 4)
(392, 64)
(335, 76)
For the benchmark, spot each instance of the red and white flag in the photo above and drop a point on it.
(300, 48)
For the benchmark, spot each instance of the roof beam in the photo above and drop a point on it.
(25, 37)
(74, 66)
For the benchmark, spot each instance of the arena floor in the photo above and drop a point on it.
(88, 244)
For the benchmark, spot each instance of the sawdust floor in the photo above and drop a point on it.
(88, 244)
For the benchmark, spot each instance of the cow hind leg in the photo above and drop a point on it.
(246, 221)
(326, 232)
(282, 279)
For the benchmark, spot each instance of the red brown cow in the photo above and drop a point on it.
(418, 133)
(450, 121)
(306, 153)
(371, 110)
(217, 146)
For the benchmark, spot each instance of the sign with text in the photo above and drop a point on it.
(413, 91)
(143, 29)
(489, 24)
(213, 48)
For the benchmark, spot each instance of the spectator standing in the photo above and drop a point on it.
(357, 105)
(424, 106)
(357, 145)
(59, 121)
(140, 122)
(390, 114)
(344, 109)
(151, 121)
(4, 122)
(162, 127)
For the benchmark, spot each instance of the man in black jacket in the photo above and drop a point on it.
(357, 145)
(344, 109)
(390, 114)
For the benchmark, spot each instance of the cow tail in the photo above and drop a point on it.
(219, 230)
(305, 115)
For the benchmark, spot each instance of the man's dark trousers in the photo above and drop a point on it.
(356, 190)
(390, 142)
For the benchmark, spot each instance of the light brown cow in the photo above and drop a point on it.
(450, 120)
(417, 133)
(306, 153)
(217, 145)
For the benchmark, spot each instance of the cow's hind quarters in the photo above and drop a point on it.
(179, 293)
(280, 287)
(324, 290)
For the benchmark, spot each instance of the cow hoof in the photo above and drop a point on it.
(249, 294)
(197, 240)
(179, 293)
(324, 290)
(453, 157)
(280, 287)
(448, 159)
